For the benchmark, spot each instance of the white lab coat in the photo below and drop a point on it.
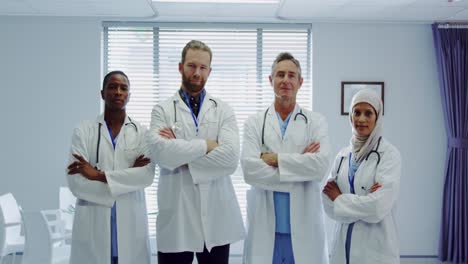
(125, 186)
(196, 199)
(375, 234)
(298, 174)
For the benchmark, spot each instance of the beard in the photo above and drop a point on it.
(192, 88)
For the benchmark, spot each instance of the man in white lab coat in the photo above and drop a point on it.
(286, 154)
(109, 169)
(194, 139)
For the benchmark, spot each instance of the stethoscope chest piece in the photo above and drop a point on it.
(176, 127)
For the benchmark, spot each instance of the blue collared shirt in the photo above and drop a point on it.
(281, 199)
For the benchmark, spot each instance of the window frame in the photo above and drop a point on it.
(260, 27)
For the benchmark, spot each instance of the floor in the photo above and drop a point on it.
(238, 260)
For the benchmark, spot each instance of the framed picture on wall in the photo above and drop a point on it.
(349, 89)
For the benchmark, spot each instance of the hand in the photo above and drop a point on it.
(332, 190)
(375, 187)
(314, 147)
(81, 166)
(270, 158)
(210, 145)
(167, 133)
(141, 161)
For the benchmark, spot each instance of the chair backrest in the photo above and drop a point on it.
(57, 238)
(10, 209)
(44, 232)
(66, 198)
(10, 223)
(67, 206)
(38, 249)
(2, 234)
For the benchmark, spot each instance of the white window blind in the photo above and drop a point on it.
(242, 56)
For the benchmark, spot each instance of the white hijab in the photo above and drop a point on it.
(361, 146)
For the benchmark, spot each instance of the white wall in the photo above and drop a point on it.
(403, 57)
(51, 73)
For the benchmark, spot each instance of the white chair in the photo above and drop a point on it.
(11, 240)
(45, 238)
(67, 206)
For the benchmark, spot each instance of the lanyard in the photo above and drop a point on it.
(350, 179)
(186, 97)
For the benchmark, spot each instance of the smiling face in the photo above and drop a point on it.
(116, 92)
(364, 118)
(195, 70)
(286, 80)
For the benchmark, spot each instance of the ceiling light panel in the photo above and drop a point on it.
(10, 7)
(440, 3)
(220, 1)
(137, 8)
(381, 2)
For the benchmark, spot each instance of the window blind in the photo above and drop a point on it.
(242, 56)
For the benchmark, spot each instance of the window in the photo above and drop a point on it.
(242, 56)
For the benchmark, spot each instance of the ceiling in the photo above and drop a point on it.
(412, 11)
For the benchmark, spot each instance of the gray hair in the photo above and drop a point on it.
(195, 45)
(286, 56)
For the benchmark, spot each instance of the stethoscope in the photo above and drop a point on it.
(295, 117)
(374, 151)
(352, 189)
(99, 138)
(177, 126)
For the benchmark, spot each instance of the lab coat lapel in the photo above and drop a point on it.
(272, 124)
(295, 127)
(206, 105)
(104, 130)
(184, 117)
(180, 104)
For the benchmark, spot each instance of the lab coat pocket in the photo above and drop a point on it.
(82, 223)
(138, 214)
(209, 130)
(131, 146)
(251, 204)
(131, 139)
(299, 137)
(131, 155)
(178, 131)
(381, 242)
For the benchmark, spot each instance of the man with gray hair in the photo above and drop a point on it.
(195, 141)
(286, 154)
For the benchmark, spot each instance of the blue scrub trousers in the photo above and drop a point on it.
(283, 252)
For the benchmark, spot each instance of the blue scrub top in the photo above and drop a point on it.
(114, 250)
(281, 199)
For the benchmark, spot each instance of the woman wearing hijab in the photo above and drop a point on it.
(361, 195)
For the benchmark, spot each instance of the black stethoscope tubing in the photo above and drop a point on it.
(367, 157)
(99, 137)
(175, 108)
(264, 121)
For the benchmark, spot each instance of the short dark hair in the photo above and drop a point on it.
(195, 45)
(286, 56)
(107, 77)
